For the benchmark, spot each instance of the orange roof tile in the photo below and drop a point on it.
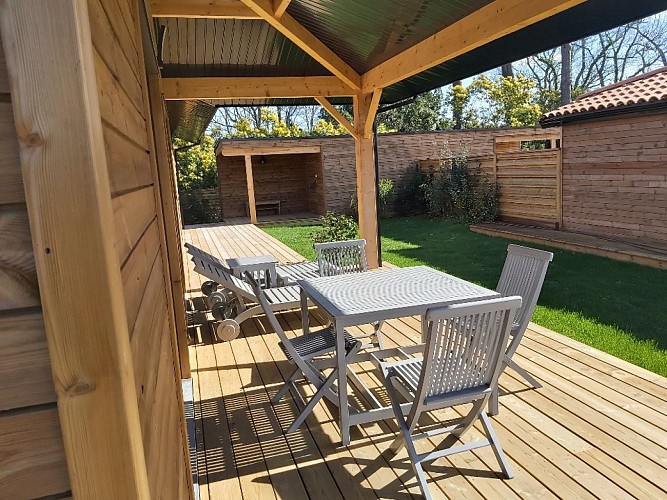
(646, 88)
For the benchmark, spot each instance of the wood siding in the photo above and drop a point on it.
(289, 178)
(129, 144)
(615, 177)
(398, 155)
(33, 459)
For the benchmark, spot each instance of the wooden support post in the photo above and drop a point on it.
(251, 189)
(365, 108)
(69, 204)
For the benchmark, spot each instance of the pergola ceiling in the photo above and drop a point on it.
(362, 35)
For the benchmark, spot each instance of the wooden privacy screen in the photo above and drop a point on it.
(529, 179)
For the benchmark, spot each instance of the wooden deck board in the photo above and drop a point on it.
(597, 429)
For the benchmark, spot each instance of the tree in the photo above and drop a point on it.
(566, 74)
(267, 124)
(425, 113)
(598, 60)
(510, 102)
(196, 167)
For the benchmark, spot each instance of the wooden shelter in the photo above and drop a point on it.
(92, 323)
(615, 160)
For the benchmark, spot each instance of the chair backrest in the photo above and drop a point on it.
(523, 274)
(341, 257)
(464, 348)
(271, 316)
(219, 273)
(197, 252)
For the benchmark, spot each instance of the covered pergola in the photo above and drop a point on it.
(93, 328)
(368, 54)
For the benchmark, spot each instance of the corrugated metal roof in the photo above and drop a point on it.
(364, 34)
(188, 120)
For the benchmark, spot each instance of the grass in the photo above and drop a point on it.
(617, 307)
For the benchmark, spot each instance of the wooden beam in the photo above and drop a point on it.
(306, 41)
(372, 113)
(251, 189)
(216, 9)
(489, 23)
(279, 7)
(337, 115)
(67, 193)
(266, 150)
(366, 182)
(253, 87)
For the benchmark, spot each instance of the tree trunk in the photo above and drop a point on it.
(458, 119)
(507, 70)
(565, 74)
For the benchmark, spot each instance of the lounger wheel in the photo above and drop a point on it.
(218, 297)
(208, 287)
(227, 329)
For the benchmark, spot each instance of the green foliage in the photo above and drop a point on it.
(196, 210)
(512, 101)
(410, 198)
(385, 190)
(270, 126)
(336, 227)
(196, 167)
(324, 128)
(456, 192)
(423, 114)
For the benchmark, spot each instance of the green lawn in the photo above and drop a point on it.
(617, 307)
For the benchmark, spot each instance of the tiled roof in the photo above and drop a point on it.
(647, 88)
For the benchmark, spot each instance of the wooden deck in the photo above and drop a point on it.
(598, 427)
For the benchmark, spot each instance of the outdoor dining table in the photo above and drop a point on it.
(363, 298)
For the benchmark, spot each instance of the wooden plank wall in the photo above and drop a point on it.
(398, 156)
(615, 177)
(124, 106)
(289, 178)
(33, 459)
(528, 183)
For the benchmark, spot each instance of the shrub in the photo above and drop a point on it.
(336, 227)
(196, 210)
(385, 190)
(458, 193)
(410, 198)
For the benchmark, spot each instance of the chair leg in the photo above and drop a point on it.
(286, 386)
(495, 445)
(529, 378)
(493, 402)
(322, 390)
(469, 419)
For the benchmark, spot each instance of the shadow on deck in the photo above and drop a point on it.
(598, 427)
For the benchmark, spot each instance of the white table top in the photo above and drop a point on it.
(392, 293)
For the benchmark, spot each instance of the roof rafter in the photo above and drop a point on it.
(489, 23)
(306, 41)
(253, 87)
(220, 9)
(337, 115)
(279, 7)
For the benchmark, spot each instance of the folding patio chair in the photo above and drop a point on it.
(523, 274)
(345, 257)
(461, 363)
(302, 351)
(234, 300)
(341, 257)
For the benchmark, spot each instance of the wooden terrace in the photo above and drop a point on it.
(597, 429)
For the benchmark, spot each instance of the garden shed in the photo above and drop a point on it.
(614, 156)
(266, 179)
